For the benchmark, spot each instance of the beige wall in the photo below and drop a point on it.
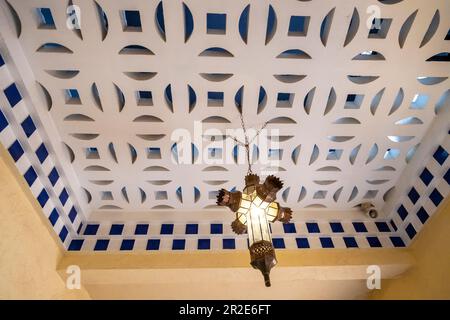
(28, 252)
(300, 274)
(429, 278)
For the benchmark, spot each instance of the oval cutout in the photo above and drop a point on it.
(78, 117)
(151, 137)
(140, 75)
(46, 96)
(369, 56)
(156, 169)
(216, 77)
(216, 119)
(216, 52)
(294, 54)
(282, 120)
(63, 74)
(135, 49)
(85, 136)
(188, 23)
(147, 118)
(96, 168)
(51, 47)
(362, 79)
(214, 168)
(289, 78)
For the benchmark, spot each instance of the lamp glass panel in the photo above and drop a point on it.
(272, 211)
(257, 226)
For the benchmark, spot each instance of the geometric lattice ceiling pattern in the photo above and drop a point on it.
(348, 90)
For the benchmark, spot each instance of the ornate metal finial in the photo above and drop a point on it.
(262, 255)
(251, 179)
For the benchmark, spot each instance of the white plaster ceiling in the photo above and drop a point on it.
(386, 113)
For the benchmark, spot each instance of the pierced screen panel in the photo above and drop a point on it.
(348, 90)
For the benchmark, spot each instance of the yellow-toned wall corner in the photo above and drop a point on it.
(29, 253)
(429, 278)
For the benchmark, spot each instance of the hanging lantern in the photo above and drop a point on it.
(255, 208)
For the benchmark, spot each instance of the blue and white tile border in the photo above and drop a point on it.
(19, 134)
(429, 190)
(216, 236)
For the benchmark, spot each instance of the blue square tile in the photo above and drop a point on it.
(382, 226)
(426, 176)
(204, 244)
(91, 229)
(350, 242)
(447, 176)
(326, 242)
(13, 95)
(410, 231)
(440, 155)
(312, 227)
(402, 212)
(73, 214)
(278, 243)
(127, 244)
(191, 228)
(413, 195)
(422, 214)
(359, 227)
(374, 242)
(42, 153)
(30, 176)
(216, 22)
(53, 176)
(63, 233)
(166, 228)
(76, 244)
(178, 244)
(116, 229)
(43, 198)
(302, 243)
(397, 242)
(216, 228)
(436, 197)
(289, 228)
(28, 126)
(101, 245)
(54, 215)
(63, 196)
(3, 121)
(141, 229)
(394, 226)
(153, 244)
(336, 227)
(229, 244)
(15, 150)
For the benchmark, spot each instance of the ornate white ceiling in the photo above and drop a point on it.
(349, 104)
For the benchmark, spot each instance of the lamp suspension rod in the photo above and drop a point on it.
(247, 142)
